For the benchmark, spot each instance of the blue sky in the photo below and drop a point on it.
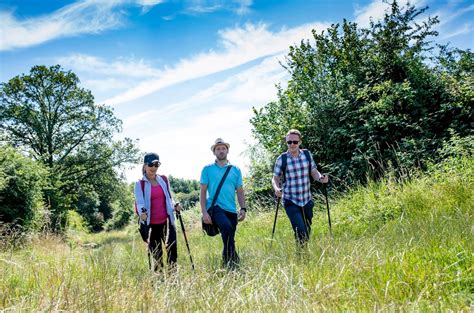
(179, 74)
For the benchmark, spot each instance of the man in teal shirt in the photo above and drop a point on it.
(224, 213)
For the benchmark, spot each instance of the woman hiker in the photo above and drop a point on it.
(155, 207)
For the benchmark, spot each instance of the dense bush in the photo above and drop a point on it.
(368, 100)
(21, 184)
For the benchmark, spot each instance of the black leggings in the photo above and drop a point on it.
(163, 233)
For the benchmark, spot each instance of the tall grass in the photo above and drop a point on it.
(395, 246)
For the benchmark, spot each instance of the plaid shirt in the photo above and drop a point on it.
(297, 179)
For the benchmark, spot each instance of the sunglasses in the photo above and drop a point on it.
(155, 164)
(295, 142)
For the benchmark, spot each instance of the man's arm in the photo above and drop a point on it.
(241, 200)
(203, 202)
(319, 177)
(276, 184)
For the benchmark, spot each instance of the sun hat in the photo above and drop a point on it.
(219, 141)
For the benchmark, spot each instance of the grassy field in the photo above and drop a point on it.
(405, 245)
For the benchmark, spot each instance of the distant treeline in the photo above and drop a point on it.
(186, 191)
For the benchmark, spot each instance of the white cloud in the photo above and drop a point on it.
(184, 150)
(105, 84)
(121, 67)
(243, 7)
(464, 29)
(199, 8)
(447, 15)
(78, 18)
(240, 7)
(376, 11)
(252, 87)
(149, 2)
(228, 110)
(82, 17)
(239, 46)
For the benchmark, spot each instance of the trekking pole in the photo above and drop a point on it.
(325, 191)
(148, 253)
(185, 237)
(274, 222)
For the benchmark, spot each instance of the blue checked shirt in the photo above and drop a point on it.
(297, 179)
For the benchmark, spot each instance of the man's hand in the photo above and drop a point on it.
(178, 207)
(206, 218)
(241, 215)
(324, 179)
(143, 216)
(278, 193)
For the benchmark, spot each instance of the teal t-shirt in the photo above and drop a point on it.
(211, 175)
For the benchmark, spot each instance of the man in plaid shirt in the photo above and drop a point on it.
(296, 194)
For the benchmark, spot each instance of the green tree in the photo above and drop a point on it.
(49, 116)
(369, 99)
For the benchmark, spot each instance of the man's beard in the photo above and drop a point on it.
(223, 158)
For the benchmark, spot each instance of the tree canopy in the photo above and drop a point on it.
(48, 116)
(370, 99)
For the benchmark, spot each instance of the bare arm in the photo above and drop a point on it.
(319, 177)
(241, 197)
(202, 201)
(276, 184)
(241, 200)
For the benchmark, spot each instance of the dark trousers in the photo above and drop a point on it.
(227, 223)
(163, 233)
(301, 219)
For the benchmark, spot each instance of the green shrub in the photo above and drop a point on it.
(21, 183)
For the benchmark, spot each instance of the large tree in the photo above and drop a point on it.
(370, 99)
(50, 117)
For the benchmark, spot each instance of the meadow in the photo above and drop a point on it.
(396, 245)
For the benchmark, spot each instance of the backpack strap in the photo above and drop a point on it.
(214, 200)
(308, 157)
(284, 162)
(167, 184)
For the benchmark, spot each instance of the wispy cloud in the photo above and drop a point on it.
(243, 7)
(228, 110)
(121, 67)
(467, 28)
(239, 46)
(447, 15)
(376, 11)
(149, 2)
(240, 7)
(202, 9)
(196, 137)
(252, 87)
(82, 17)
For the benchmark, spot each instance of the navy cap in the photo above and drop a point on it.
(151, 157)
